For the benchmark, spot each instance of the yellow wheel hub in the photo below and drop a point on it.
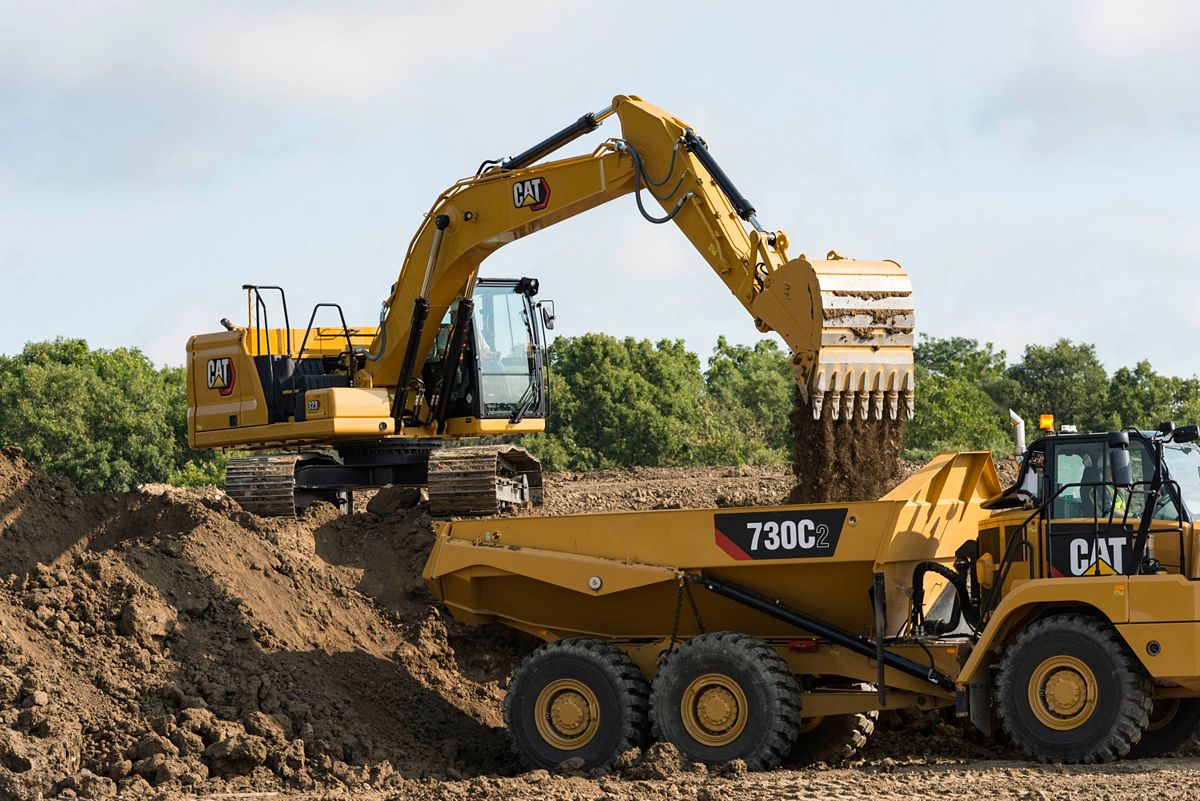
(714, 710)
(1062, 693)
(567, 714)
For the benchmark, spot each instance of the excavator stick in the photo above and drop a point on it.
(849, 323)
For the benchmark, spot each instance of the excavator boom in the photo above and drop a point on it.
(847, 323)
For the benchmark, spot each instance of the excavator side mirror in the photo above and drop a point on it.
(546, 307)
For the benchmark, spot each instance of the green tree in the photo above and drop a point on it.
(619, 402)
(107, 419)
(957, 382)
(629, 402)
(1142, 398)
(1063, 379)
(752, 386)
(1187, 405)
(960, 356)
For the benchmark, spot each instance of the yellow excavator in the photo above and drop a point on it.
(364, 406)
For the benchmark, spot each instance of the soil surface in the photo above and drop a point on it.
(164, 643)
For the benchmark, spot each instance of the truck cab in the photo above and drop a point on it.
(1082, 499)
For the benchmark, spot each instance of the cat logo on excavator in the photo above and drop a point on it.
(220, 375)
(533, 194)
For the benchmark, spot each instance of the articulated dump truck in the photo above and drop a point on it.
(1064, 609)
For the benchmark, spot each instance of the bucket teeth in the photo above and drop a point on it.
(863, 405)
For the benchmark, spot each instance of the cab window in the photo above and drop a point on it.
(504, 342)
(1142, 462)
(1078, 463)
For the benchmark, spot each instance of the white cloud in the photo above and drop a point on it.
(1115, 76)
(306, 53)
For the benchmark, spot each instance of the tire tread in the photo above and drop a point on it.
(752, 651)
(627, 678)
(1136, 696)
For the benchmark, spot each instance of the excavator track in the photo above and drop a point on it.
(263, 485)
(482, 480)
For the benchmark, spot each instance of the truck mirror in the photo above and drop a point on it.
(547, 309)
(1029, 486)
(1118, 439)
(1186, 434)
(1119, 464)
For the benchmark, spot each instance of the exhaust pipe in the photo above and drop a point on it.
(1018, 424)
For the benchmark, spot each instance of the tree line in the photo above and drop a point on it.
(111, 419)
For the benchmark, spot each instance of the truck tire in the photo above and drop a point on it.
(575, 698)
(832, 738)
(726, 696)
(1174, 724)
(1068, 690)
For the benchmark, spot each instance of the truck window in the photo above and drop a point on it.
(1142, 461)
(1079, 463)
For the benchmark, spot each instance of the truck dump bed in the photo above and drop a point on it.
(618, 576)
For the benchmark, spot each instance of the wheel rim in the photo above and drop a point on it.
(808, 724)
(714, 710)
(567, 714)
(1062, 693)
(1162, 713)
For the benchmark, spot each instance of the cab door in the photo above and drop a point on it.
(1089, 525)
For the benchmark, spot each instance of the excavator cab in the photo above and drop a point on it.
(500, 371)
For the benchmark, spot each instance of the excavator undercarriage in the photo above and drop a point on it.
(461, 482)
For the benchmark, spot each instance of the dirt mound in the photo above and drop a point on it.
(665, 488)
(167, 638)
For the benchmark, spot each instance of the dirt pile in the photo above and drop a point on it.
(665, 488)
(165, 639)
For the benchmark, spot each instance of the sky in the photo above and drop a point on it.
(1034, 166)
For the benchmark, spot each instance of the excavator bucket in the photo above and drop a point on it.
(865, 367)
(850, 326)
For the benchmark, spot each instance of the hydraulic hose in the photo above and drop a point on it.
(963, 604)
(639, 174)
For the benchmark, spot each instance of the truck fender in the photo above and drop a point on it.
(1104, 596)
